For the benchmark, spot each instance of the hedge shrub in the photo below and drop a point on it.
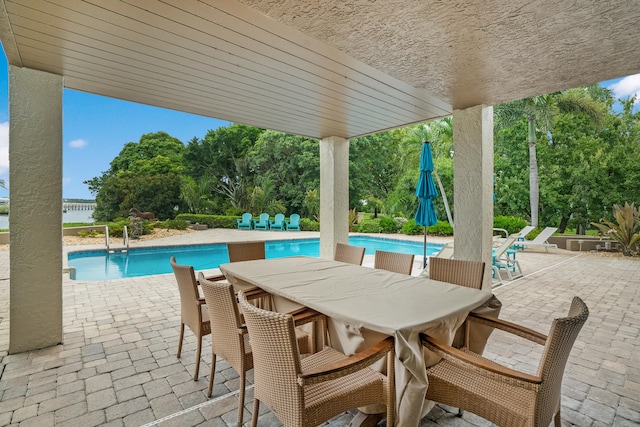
(369, 226)
(442, 228)
(410, 228)
(388, 225)
(116, 227)
(512, 224)
(212, 221)
(307, 224)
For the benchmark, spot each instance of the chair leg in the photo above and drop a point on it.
(180, 341)
(198, 352)
(557, 420)
(256, 410)
(460, 413)
(243, 375)
(212, 374)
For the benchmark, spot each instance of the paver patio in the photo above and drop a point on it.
(118, 367)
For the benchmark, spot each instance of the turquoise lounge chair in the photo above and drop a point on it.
(277, 223)
(504, 258)
(261, 223)
(293, 223)
(245, 222)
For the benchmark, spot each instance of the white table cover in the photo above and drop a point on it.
(360, 299)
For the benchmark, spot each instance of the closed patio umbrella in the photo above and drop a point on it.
(426, 192)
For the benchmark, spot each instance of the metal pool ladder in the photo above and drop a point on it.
(125, 240)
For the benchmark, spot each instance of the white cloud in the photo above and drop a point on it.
(77, 143)
(627, 87)
(4, 147)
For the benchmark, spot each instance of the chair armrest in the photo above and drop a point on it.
(479, 364)
(349, 365)
(305, 315)
(512, 328)
(215, 278)
(255, 293)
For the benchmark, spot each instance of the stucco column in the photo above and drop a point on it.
(334, 194)
(35, 177)
(473, 185)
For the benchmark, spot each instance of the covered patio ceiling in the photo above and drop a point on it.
(325, 67)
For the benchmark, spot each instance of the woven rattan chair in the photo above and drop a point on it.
(193, 311)
(394, 261)
(310, 391)
(349, 254)
(245, 251)
(499, 394)
(229, 338)
(242, 251)
(458, 272)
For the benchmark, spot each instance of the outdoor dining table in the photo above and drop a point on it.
(364, 305)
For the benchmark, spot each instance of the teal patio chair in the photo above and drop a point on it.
(261, 223)
(277, 223)
(245, 222)
(293, 223)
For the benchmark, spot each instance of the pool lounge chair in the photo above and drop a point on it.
(293, 223)
(261, 223)
(244, 223)
(541, 240)
(504, 259)
(277, 223)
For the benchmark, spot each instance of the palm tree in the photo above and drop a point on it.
(539, 111)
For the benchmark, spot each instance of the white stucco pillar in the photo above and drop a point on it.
(473, 185)
(334, 194)
(35, 177)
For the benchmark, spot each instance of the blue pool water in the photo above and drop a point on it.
(99, 265)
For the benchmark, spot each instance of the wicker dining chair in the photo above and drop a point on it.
(193, 311)
(246, 251)
(242, 251)
(309, 391)
(394, 262)
(505, 396)
(229, 337)
(469, 274)
(349, 253)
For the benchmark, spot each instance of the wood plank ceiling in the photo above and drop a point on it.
(317, 68)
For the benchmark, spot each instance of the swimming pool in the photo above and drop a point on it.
(100, 265)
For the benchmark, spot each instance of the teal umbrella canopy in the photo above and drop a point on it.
(426, 192)
(426, 189)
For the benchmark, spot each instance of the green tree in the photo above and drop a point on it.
(196, 195)
(145, 175)
(221, 156)
(374, 166)
(539, 112)
(312, 204)
(290, 163)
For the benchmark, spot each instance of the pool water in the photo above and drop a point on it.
(100, 265)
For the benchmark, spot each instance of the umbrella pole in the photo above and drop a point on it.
(424, 259)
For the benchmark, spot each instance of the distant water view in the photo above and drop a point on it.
(81, 213)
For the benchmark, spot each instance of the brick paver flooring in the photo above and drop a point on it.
(118, 367)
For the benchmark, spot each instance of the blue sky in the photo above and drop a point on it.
(96, 128)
